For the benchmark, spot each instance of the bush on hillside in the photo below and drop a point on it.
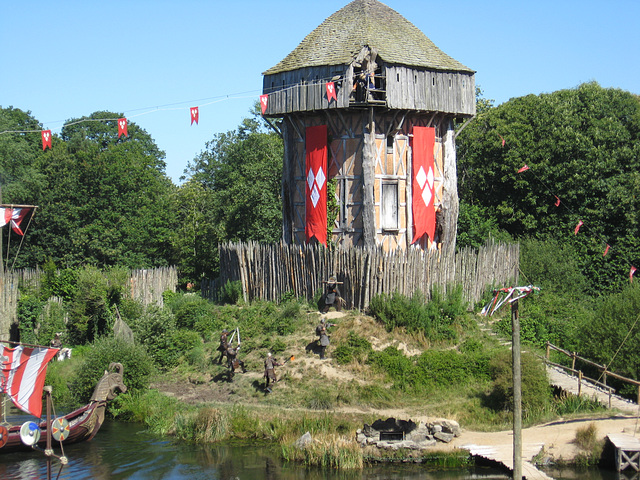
(137, 365)
(536, 394)
(439, 319)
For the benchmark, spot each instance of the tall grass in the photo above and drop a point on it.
(326, 451)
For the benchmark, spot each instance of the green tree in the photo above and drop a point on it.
(582, 145)
(106, 200)
(238, 180)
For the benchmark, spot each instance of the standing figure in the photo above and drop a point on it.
(269, 371)
(233, 362)
(332, 295)
(222, 348)
(56, 342)
(438, 238)
(321, 331)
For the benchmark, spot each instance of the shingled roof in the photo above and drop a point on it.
(370, 23)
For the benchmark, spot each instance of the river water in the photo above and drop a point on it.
(126, 451)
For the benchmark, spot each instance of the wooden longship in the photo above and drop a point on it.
(389, 78)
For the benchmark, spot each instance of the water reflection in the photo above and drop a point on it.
(125, 451)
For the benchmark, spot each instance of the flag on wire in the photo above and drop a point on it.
(631, 272)
(606, 250)
(524, 168)
(46, 139)
(195, 115)
(331, 91)
(23, 373)
(557, 204)
(264, 102)
(580, 223)
(13, 216)
(122, 127)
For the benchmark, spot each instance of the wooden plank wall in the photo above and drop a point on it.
(304, 90)
(447, 92)
(268, 271)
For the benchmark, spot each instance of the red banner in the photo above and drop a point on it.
(195, 114)
(316, 180)
(122, 127)
(423, 172)
(46, 139)
(331, 92)
(264, 101)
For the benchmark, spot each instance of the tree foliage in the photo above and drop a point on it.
(232, 193)
(581, 145)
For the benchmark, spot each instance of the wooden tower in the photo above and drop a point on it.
(388, 79)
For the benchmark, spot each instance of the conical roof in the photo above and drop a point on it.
(339, 39)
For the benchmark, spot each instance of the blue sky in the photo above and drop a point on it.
(154, 59)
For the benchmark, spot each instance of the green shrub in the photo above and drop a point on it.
(438, 319)
(137, 364)
(231, 292)
(536, 394)
(356, 348)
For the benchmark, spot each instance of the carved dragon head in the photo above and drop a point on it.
(109, 383)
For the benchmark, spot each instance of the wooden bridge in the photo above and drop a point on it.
(503, 455)
(572, 380)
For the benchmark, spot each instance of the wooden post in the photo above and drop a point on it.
(548, 350)
(573, 360)
(579, 382)
(517, 393)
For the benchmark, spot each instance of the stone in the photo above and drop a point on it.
(304, 440)
(443, 437)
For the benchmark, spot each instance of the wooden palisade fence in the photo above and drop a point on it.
(268, 271)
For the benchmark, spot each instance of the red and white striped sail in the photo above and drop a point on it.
(23, 373)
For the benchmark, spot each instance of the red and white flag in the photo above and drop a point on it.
(557, 204)
(264, 101)
(524, 168)
(580, 223)
(424, 213)
(46, 139)
(331, 91)
(195, 114)
(23, 373)
(631, 272)
(13, 216)
(606, 250)
(316, 180)
(122, 127)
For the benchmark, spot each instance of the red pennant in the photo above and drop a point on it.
(631, 272)
(122, 127)
(424, 213)
(331, 92)
(195, 114)
(501, 138)
(580, 223)
(46, 139)
(316, 183)
(264, 101)
(557, 201)
(606, 250)
(523, 169)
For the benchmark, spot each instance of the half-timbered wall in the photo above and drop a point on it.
(390, 184)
